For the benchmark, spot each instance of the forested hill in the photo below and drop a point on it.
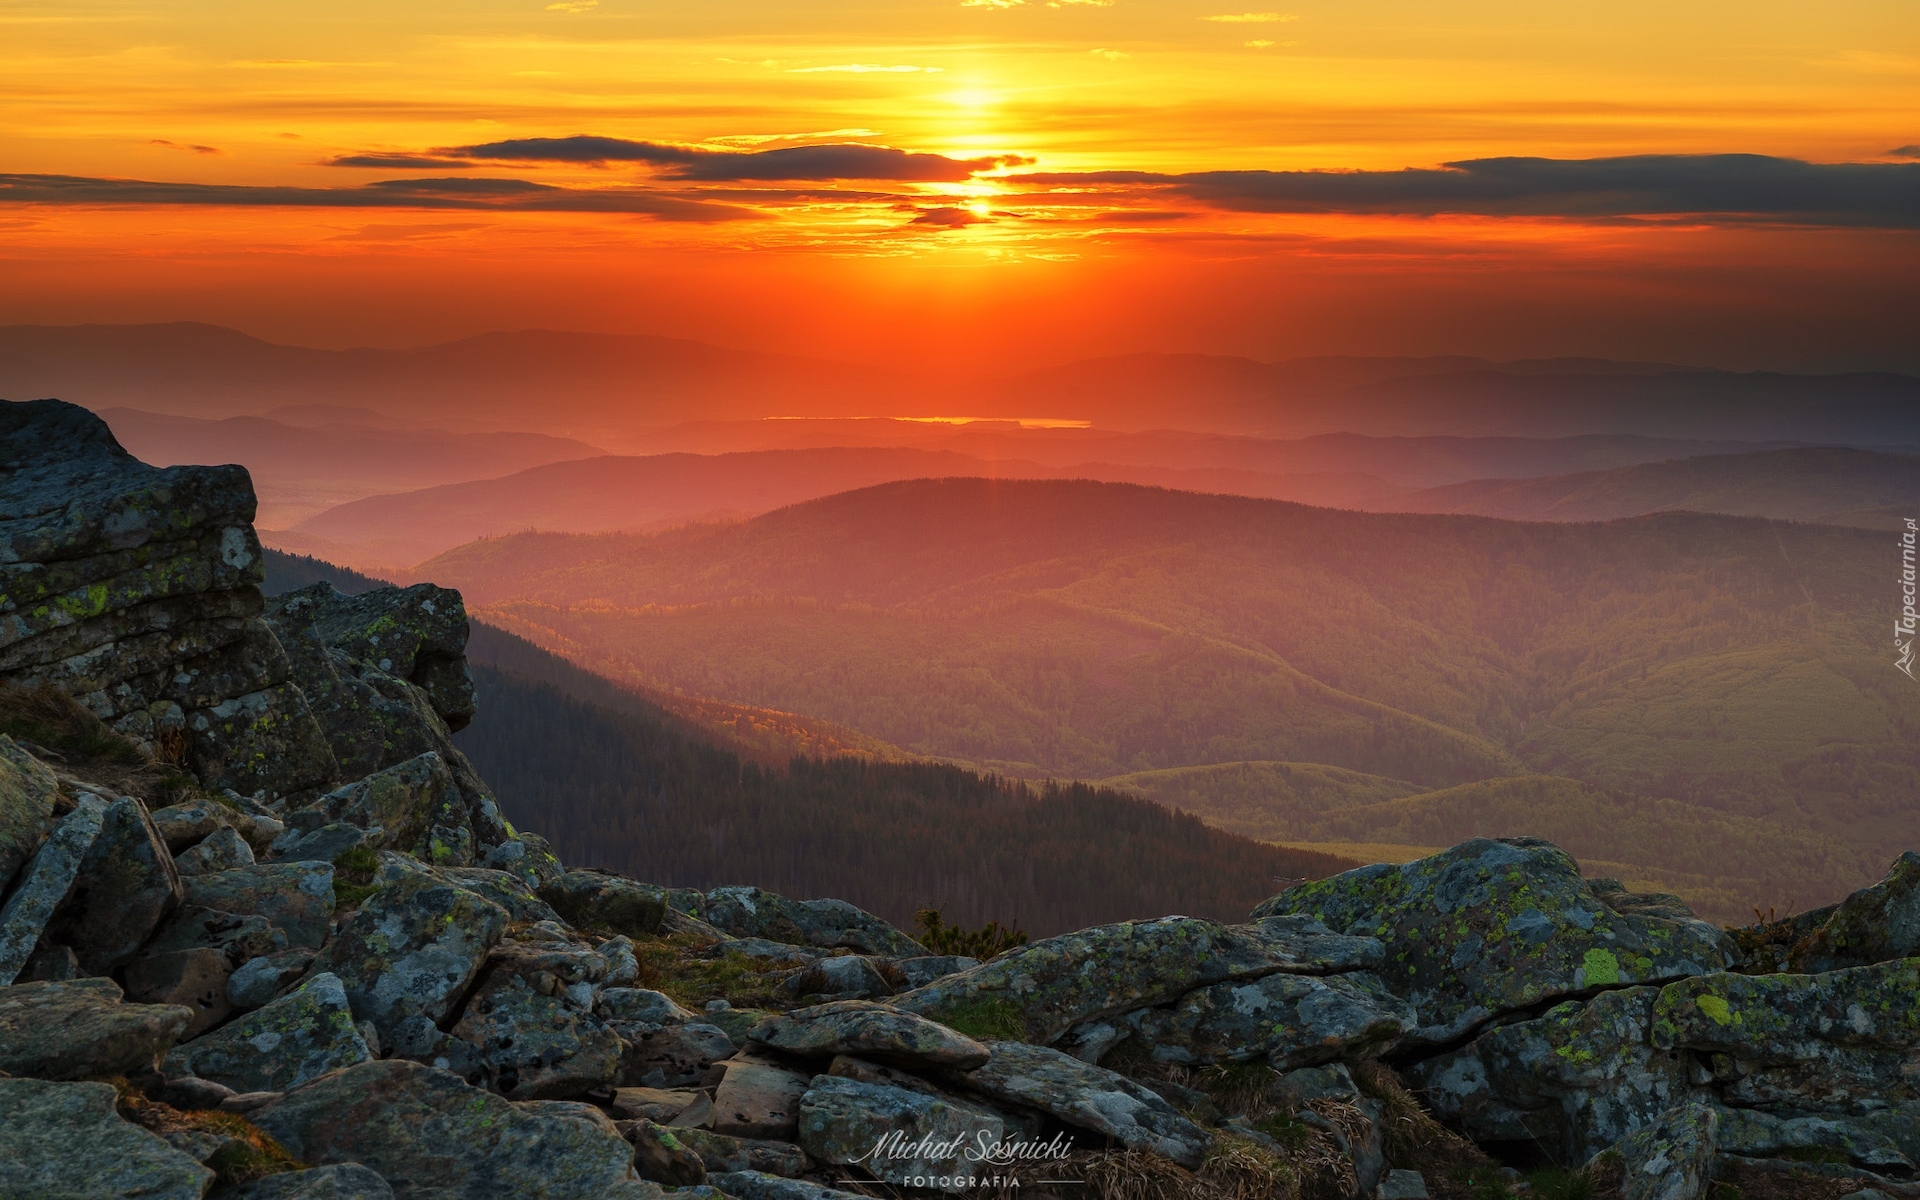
(613, 780)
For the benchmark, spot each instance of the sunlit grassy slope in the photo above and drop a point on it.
(1713, 694)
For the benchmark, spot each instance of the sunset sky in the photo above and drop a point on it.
(966, 183)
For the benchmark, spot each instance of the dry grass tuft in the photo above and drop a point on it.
(248, 1155)
(55, 728)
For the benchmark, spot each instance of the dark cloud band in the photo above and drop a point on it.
(789, 163)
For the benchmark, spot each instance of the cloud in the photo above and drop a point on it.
(1111, 55)
(865, 69)
(950, 218)
(574, 6)
(1260, 18)
(991, 3)
(1883, 195)
(1912, 151)
(847, 160)
(405, 162)
(483, 195)
(188, 147)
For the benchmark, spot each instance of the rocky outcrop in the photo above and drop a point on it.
(82, 1029)
(65, 1139)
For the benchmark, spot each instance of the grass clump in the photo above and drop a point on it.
(990, 1017)
(249, 1153)
(56, 728)
(677, 965)
(353, 870)
(1553, 1183)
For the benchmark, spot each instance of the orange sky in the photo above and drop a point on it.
(1110, 175)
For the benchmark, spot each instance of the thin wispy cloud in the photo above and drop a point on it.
(574, 6)
(1111, 55)
(865, 69)
(1252, 18)
(186, 146)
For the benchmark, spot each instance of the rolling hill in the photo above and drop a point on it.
(1732, 666)
(1828, 484)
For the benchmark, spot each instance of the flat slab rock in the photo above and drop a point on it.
(65, 1139)
(1489, 927)
(428, 1133)
(870, 1030)
(297, 1038)
(1088, 1097)
(902, 1136)
(80, 1029)
(44, 883)
(1288, 1020)
(1046, 988)
(829, 924)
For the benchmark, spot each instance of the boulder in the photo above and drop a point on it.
(310, 838)
(238, 937)
(903, 1137)
(537, 1047)
(830, 924)
(1575, 1080)
(398, 806)
(1308, 947)
(723, 1152)
(640, 1005)
(594, 899)
(428, 1133)
(127, 884)
(1088, 1097)
(411, 950)
(1041, 990)
(879, 1031)
(67, 1140)
(919, 972)
(755, 1100)
(1288, 1020)
(1755, 1134)
(842, 977)
(27, 793)
(299, 1037)
(193, 979)
(671, 1055)
(181, 826)
(654, 1104)
(1807, 1042)
(135, 590)
(1874, 925)
(43, 885)
(345, 1181)
(660, 1155)
(758, 1185)
(222, 850)
(1671, 1159)
(81, 1030)
(1490, 927)
(260, 979)
(295, 898)
(503, 888)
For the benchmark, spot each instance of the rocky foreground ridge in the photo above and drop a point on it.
(264, 933)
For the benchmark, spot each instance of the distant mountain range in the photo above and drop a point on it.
(612, 390)
(1732, 669)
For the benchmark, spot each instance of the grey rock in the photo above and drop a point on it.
(1302, 1086)
(1403, 1185)
(50, 963)
(428, 1133)
(919, 972)
(846, 976)
(260, 979)
(219, 851)
(1089, 1097)
(27, 792)
(1089, 1041)
(412, 948)
(399, 806)
(81, 1030)
(1809, 1042)
(829, 924)
(44, 884)
(127, 884)
(536, 1047)
(654, 1104)
(901, 1136)
(1045, 987)
(503, 888)
(298, 1037)
(1308, 947)
(660, 1155)
(769, 951)
(319, 843)
(294, 897)
(1489, 927)
(238, 937)
(1671, 1159)
(1574, 1080)
(526, 857)
(594, 899)
(758, 1101)
(67, 1140)
(181, 826)
(193, 979)
(758, 1185)
(631, 1004)
(1757, 1134)
(672, 1055)
(1289, 1020)
(722, 1152)
(1874, 925)
(869, 1030)
(623, 968)
(343, 1181)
